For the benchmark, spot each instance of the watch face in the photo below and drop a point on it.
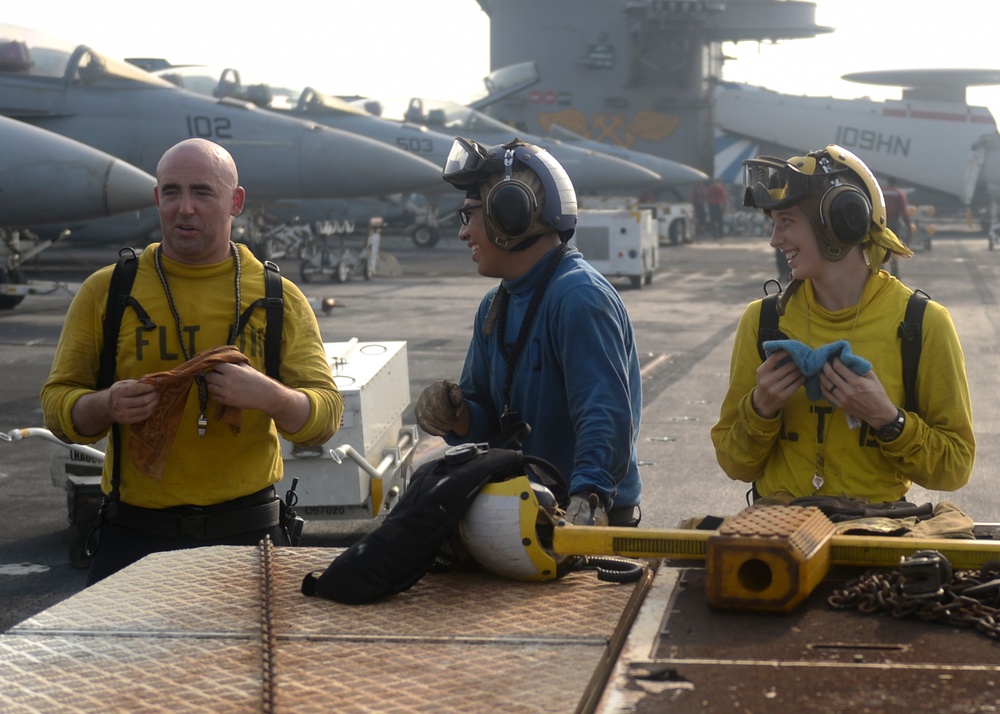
(889, 432)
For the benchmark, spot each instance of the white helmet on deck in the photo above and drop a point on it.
(508, 530)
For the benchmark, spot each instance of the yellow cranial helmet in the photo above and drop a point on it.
(508, 530)
(837, 190)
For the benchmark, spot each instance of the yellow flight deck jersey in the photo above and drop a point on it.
(936, 449)
(222, 465)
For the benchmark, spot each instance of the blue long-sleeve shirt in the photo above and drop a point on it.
(577, 381)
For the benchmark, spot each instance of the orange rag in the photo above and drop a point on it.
(150, 440)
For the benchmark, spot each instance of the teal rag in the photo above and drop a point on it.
(810, 361)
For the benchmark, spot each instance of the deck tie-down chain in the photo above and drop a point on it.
(924, 587)
(268, 644)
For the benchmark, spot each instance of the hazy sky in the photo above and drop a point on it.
(877, 34)
(440, 48)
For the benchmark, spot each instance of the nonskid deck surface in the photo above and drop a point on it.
(196, 630)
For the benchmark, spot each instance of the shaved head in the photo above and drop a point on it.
(225, 167)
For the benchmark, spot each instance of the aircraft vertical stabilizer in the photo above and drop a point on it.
(730, 153)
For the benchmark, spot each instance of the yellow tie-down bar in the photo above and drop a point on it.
(768, 558)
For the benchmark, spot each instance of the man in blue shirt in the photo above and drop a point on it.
(552, 345)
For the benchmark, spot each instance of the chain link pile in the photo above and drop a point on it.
(968, 599)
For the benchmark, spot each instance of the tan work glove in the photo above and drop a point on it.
(586, 509)
(439, 407)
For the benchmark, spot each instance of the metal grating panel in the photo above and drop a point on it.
(181, 632)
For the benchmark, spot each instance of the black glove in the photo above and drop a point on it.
(439, 407)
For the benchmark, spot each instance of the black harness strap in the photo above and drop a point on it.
(768, 327)
(118, 297)
(275, 314)
(910, 335)
(511, 356)
(274, 304)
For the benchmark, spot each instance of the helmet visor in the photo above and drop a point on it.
(771, 183)
(466, 163)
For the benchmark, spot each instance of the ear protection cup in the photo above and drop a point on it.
(511, 204)
(847, 212)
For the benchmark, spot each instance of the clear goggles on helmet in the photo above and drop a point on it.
(466, 164)
(771, 183)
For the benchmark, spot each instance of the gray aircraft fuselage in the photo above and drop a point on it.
(429, 135)
(45, 177)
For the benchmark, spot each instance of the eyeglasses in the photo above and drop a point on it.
(465, 213)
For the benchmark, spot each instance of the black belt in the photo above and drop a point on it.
(255, 512)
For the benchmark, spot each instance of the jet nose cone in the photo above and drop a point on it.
(340, 164)
(47, 178)
(593, 172)
(127, 188)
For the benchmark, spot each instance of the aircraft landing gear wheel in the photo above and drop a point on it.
(343, 272)
(425, 236)
(9, 302)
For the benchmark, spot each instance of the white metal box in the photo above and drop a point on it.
(619, 243)
(336, 479)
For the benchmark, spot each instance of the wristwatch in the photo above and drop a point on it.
(892, 430)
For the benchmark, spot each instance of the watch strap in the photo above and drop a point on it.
(892, 430)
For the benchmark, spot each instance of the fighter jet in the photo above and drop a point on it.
(124, 111)
(47, 177)
(590, 170)
(313, 106)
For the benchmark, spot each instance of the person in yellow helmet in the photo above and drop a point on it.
(823, 410)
